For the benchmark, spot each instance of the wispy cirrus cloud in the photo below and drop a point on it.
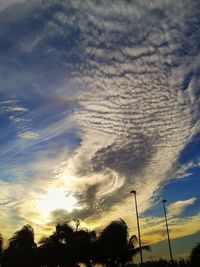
(28, 135)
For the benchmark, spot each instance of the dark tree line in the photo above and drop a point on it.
(67, 247)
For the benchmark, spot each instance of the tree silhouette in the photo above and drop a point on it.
(49, 251)
(21, 249)
(66, 247)
(113, 243)
(65, 235)
(59, 248)
(195, 256)
(83, 249)
(52, 250)
(113, 246)
(1, 248)
(1, 244)
(132, 250)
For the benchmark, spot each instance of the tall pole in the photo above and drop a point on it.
(138, 226)
(170, 249)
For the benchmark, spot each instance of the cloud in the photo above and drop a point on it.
(29, 183)
(178, 207)
(6, 3)
(183, 170)
(12, 106)
(131, 101)
(28, 135)
(179, 227)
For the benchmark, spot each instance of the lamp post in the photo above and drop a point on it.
(170, 250)
(138, 225)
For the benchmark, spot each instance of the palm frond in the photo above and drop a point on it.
(135, 251)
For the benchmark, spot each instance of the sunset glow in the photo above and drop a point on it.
(55, 198)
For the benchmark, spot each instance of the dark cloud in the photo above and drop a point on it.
(124, 157)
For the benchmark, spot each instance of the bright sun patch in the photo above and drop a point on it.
(55, 198)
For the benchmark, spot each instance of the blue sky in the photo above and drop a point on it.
(98, 98)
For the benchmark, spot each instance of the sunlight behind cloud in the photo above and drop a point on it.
(55, 198)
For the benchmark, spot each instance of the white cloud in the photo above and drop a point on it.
(179, 171)
(178, 207)
(28, 135)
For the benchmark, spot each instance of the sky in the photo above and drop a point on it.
(98, 98)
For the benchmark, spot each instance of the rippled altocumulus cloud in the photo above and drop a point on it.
(140, 107)
(132, 69)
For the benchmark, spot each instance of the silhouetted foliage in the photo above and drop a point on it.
(49, 251)
(68, 246)
(1, 244)
(1, 248)
(195, 256)
(113, 246)
(84, 241)
(21, 250)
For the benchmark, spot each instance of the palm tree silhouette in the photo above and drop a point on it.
(21, 249)
(50, 251)
(65, 235)
(1, 248)
(83, 249)
(132, 249)
(195, 256)
(66, 247)
(113, 246)
(58, 248)
(1, 244)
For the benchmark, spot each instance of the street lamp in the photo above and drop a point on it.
(138, 225)
(170, 250)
